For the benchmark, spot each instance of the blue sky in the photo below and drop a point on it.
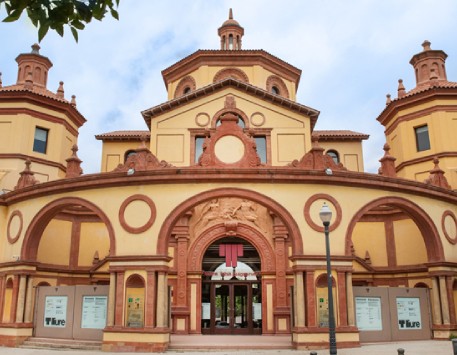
(351, 54)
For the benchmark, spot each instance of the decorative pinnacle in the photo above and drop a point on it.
(35, 49)
(230, 14)
(388, 100)
(426, 45)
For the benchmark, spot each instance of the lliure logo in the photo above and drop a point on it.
(407, 324)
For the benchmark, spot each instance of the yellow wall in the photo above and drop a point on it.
(55, 243)
(350, 153)
(113, 153)
(94, 237)
(409, 244)
(257, 75)
(371, 237)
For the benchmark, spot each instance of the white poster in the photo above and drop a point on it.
(257, 310)
(55, 311)
(409, 313)
(94, 312)
(206, 310)
(368, 313)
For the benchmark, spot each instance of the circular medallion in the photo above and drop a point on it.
(449, 226)
(229, 149)
(202, 119)
(14, 228)
(137, 214)
(312, 208)
(257, 119)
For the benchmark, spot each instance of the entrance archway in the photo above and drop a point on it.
(231, 293)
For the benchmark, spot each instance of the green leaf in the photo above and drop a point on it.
(42, 31)
(77, 24)
(59, 30)
(14, 16)
(115, 14)
(75, 34)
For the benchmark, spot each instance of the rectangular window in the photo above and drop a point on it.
(40, 141)
(422, 138)
(261, 144)
(198, 147)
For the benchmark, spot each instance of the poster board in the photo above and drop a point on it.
(94, 309)
(55, 311)
(368, 313)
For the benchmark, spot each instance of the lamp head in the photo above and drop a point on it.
(325, 214)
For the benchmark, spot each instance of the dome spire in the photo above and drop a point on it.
(230, 33)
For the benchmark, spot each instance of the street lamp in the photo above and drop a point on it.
(326, 215)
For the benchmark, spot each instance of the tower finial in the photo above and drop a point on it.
(231, 33)
(230, 14)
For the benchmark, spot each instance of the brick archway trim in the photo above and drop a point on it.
(219, 231)
(275, 207)
(423, 221)
(40, 221)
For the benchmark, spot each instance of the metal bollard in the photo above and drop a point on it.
(401, 351)
(313, 353)
(454, 346)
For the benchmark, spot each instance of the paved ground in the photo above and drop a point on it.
(428, 347)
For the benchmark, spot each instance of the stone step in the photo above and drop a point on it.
(61, 344)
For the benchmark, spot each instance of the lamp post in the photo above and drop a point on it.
(326, 215)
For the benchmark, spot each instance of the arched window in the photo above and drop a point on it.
(230, 41)
(187, 90)
(275, 90)
(128, 153)
(134, 294)
(334, 155)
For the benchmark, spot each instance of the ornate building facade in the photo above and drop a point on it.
(207, 222)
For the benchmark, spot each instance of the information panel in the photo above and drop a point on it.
(368, 313)
(257, 310)
(55, 311)
(409, 313)
(206, 310)
(94, 310)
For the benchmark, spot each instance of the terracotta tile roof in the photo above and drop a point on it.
(438, 84)
(133, 135)
(327, 135)
(36, 90)
(220, 85)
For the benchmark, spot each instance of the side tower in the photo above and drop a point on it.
(419, 123)
(35, 124)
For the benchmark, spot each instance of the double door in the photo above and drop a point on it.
(234, 307)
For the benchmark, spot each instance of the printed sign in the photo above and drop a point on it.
(409, 313)
(206, 310)
(257, 310)
(94, 312)
(368, 313)
(55, 311)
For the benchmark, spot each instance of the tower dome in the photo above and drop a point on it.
(230, 33)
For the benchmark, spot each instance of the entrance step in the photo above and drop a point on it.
(61, 344)
(232, 342)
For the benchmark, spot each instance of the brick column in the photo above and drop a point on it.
(2, 296)
(150, 299)
(111, 299)
(342, 300)
(444, 300)
(279, 237)
(14, 298)
(311, 298)
(28, 318)
(437, 319)
(119, 308)
(181, 233)
(450, 297)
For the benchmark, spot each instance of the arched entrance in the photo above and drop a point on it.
(231, 293)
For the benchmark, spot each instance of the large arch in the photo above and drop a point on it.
(219, 231)
(423, 221)
(43, 217)
(273, 206)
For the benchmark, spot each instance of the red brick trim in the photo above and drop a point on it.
(274, 80)
(148, 224)
(43, 217)
(187, 81)
(309, 219)
(452, 240)
(233, 73)
(200, 122)
(13, 239)
(289, 222)
(235, 111)
(423, 221)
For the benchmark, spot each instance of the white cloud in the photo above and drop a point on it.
(351, 53)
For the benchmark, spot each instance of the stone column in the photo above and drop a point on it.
(161, 313)
(14, 298)
(29, 301)
(437, 319)
(2, 296)
(299, 300)
(21, 299)
(350, 300)
(444, 300)
(450, 297)
(111, 299)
